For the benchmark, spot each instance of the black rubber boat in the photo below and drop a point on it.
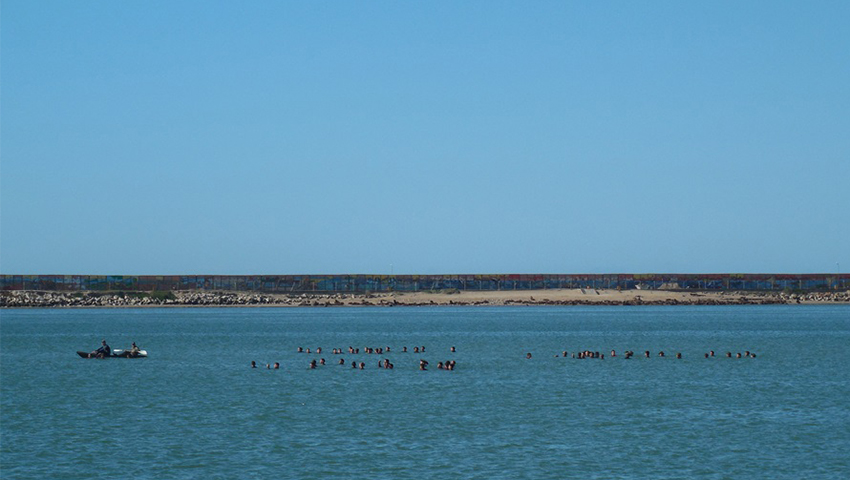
(117, 353)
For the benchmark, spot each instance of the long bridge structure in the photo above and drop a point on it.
(360, 283)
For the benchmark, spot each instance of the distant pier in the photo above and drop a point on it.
(365, 283)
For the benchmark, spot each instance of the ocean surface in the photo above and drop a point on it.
(195, 409)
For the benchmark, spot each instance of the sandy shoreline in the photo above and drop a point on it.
(26, 299)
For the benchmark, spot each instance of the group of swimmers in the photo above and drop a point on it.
(385, 363)
(447, 365)
(269, 366)
(748, 354)
(368, 350)
(450, 364)
(630, 353)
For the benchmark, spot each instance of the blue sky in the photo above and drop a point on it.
(275, 137)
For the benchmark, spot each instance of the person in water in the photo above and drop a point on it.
(102, 351)
(253, 364)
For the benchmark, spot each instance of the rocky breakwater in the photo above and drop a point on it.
(701, 298)
(77, 299)
(254, 299)
(22, 299)
(817, 297)
(224, 298)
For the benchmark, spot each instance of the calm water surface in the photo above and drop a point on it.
(194, 408)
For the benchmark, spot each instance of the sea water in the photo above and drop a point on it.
(195, 409)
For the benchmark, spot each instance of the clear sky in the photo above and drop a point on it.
(275, 137)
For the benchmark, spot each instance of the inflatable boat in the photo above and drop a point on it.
(116, 353)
